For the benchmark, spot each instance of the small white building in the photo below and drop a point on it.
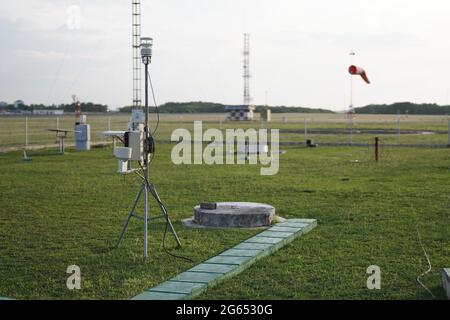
(45, 112)
(240, 113)
(266, 115)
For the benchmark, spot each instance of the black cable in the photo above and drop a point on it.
(157, 114)
(166, 216)
(166, 229)
(149, 186)
(155, 103)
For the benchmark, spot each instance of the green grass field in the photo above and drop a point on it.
(12, 129)
(58, 211)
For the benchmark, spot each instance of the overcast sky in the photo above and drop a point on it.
(300, 50)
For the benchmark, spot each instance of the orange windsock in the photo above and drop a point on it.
(354, 70)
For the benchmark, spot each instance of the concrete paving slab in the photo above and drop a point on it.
(178, 287)
(148, 295)
(228, 260)
(272, 234)
(197, 277)
(264, 240)
(213, 268)
(193, 282)
(241, 253)
(293, 224)
(308, 221)
(252, 246)
(284, 229)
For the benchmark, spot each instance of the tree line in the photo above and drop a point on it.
(85, 107)
(405, 108)
(209, 107)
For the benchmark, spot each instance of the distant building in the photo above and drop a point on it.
(18, 103)
(266, 115)
(45, 112)
(3, 104)
(240, 113)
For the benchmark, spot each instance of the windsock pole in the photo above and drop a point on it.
(352, 55)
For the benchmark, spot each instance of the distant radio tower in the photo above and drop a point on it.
(247, 99)
(245, 112)
(136, 38)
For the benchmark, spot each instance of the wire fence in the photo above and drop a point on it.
(328, 129)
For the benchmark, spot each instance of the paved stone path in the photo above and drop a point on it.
(194, 281)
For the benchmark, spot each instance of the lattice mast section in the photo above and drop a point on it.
(246, 53)
(136, 41)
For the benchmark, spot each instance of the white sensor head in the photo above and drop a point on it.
(146, 49)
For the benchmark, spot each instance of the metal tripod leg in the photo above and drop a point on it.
(166, 215)
(130, 214)
(145, 220)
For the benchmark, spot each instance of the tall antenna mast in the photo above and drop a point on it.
(136, 38)
(247, 99)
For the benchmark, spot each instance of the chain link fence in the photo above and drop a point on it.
(296, 129)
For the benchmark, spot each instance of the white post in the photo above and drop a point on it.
(26, 132)
(306, 130)
(57, 122)
(449, 133)
(351, 131)
(113, 145)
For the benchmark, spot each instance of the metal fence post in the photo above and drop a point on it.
(449, 133)
(351, 132)
(306, 130)
(377, 149)
(26, 132)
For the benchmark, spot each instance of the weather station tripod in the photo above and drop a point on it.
(147, 187)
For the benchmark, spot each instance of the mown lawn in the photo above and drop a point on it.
(58, 211)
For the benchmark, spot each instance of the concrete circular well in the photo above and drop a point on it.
(235, 215)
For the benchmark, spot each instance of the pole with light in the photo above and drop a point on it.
(351, 110)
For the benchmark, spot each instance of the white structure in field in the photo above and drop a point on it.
(266, 115)
(83, 136)
(240, 113)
